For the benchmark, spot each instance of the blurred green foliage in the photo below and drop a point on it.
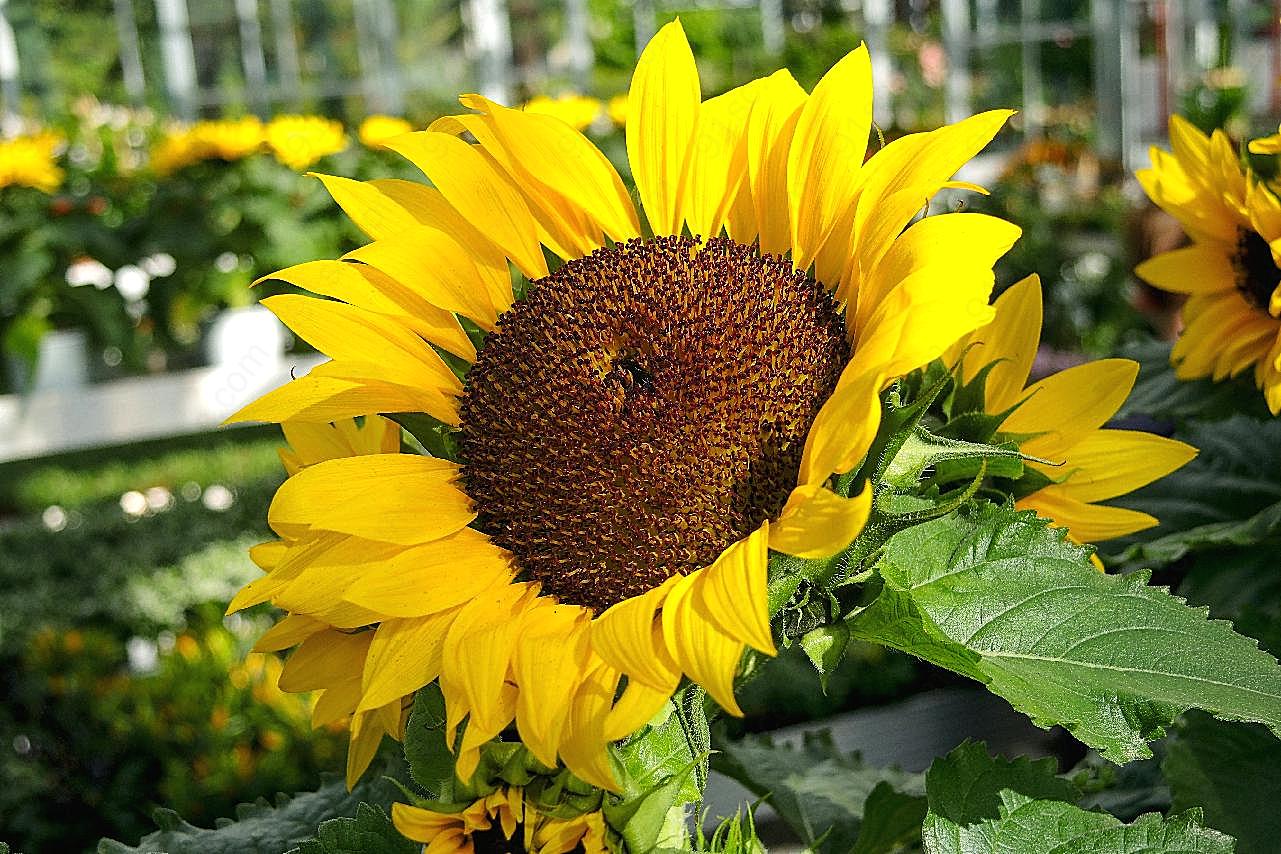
(125, 688)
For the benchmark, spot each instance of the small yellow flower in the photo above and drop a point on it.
(31, 161)
(577, 111)
(492, 823)
(376, 130)
(300, 141)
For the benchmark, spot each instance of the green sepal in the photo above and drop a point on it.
(825, 647)
(434, 437)
(921, 450)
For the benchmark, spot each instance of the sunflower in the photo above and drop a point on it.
(504, 820)
(300, 141)
(376, 130)
(1060, 419)
(1230, 272)
(658, 411)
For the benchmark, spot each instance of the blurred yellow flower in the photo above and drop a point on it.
(31, 161)
(299, 141)
(376, 130)
(223, 139)
(617, 109)
(577, 111)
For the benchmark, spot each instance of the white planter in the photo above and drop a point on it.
(248, 339)
(62, 362)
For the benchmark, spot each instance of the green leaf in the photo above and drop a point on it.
(1002, 597)
(260, 828)
(819, 792)
(825, 647)
(1230, 770)
(964, 787)
(370, 832)
(891, 820)
(1159, 393)
(1028, 826)
(431, 764)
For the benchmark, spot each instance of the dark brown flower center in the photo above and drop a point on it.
(643, 408)
(1257, 275)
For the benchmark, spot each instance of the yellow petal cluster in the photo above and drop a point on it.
(300, 141)
(222, 139)
(31, 161)
(506, 811)
(383, 541)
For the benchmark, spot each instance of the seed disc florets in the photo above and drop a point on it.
(643, 408)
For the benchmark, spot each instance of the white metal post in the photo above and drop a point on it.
(130, 52)
(956, 41)
(251, 55)
(179, 57)
(489, 44)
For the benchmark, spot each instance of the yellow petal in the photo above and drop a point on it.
(373, 212)
(868, 246)
(624, 636)
(474, 188)
(432, 264)
(638, 706)
(1071, 404)
(733, 590)
(432, 577)
(336, 702)
(585, 748)
(1011, 341)
(818, 523)
(550, 659)
(924, 160)
(1201, 268)
(662, 112)
(419, 824)
(843, 430)
(392, 498)
(1089, 523)
(296, 558)
(1108, 463)
(291, 630)
(404, 656)
(969, 240)
(478, 653)
(551, 154)
(317, 397)
(325, 659)
(770, 129)
(826, 155)
(366, 735)
(267, 555)
(719, 159)
(922, 316)
(345, 332)
(706, 654)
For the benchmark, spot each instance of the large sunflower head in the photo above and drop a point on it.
(1231, 272)
(616, 413)
(1073, 461)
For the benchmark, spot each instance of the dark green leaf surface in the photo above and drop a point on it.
(260, 828)
(891, 819)
(964, 787)
(1229, 495)
(370, 832)
(431, 765)
(1028, 826)
(1002, 597)
(1233, 772)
